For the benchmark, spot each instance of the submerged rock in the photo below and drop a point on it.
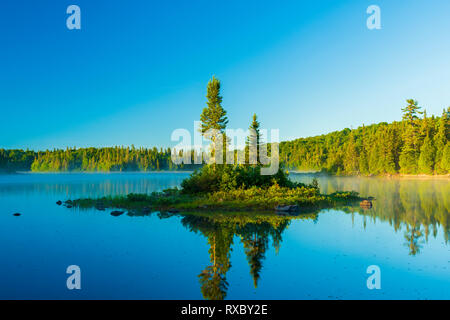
(100, 206)
(117, 213)
(68, 204)
(289, 208)
(146, 210)
(59, 202)
(17, 214)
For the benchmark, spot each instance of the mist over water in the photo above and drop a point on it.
(320, 255)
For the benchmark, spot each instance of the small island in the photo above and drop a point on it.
(289, 198)
(220, 186)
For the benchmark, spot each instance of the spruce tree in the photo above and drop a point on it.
(426, 158)
(375, 155)
(410, 153)
(388, 146)
(254, 140)
(363, 163)
(445, 162)
(213, 116)
(351, 157)
(440, 140)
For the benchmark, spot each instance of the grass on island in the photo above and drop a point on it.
(226, 188)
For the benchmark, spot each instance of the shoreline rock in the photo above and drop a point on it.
(366, 204)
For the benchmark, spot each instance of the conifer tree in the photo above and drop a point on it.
(213, 117)
(411, 111)
(351, 157)
(426, 158)
(440, 140)
(363, 164)
(254, 141)
(445, 162)
(375, 155)
(410, 153)
(388, 146)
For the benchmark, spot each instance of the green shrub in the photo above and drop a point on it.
(212, 178)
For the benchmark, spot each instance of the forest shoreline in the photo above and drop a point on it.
(315, 174)
(384, 175)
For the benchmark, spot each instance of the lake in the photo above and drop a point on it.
(322, 254)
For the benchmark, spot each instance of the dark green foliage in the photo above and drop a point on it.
(229, 177)
(315, 184)
(16, 160)
(213, 116)
(253, 143)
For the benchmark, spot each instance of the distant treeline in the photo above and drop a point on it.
(415, 145)
(90, 160)
(412, 146)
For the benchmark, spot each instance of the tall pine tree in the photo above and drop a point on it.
(410, 153)
(214, 116)
(253, 142)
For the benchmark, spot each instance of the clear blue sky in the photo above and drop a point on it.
(137, 70)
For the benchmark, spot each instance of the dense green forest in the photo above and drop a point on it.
(416, 145)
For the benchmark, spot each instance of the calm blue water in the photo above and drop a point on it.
(322, 255)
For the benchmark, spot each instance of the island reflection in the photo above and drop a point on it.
(417, 209)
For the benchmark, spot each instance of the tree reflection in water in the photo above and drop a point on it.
(417, 208)
(254, 232)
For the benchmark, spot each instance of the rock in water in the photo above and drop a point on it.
(116, 213)
(100, 206)
(146, 210)
(282, 208)
(17, 214)
(59, 202)
(291, 208)
(366, 204)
